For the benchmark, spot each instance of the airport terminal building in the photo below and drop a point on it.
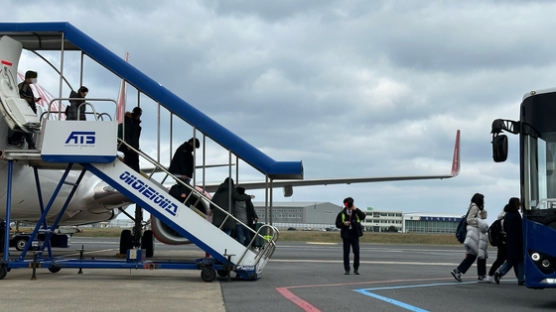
(430, 223)
(397, 221)
(301, 215)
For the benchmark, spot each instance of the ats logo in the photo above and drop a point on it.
(84, 138)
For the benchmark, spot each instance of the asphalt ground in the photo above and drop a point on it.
(301, 277)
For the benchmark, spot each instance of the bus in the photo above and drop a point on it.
(537, 155)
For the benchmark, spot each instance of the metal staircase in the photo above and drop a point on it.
(181, 216)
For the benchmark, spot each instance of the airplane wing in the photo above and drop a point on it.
(289, 184)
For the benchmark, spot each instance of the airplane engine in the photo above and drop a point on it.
(166, 235)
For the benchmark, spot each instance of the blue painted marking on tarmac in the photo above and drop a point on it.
(392, 301)
(367, 292)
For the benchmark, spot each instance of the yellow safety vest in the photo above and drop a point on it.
(344, 217)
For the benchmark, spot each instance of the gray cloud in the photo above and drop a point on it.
(352, 88)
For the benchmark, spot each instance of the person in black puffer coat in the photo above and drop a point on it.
(514, 243)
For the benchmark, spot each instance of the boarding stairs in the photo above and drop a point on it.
(184, 218)
(70, 143)
(247, 261)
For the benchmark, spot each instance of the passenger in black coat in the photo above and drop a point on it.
(513, 227)
(132, 132)
(72, 110)
(183, 162)
(514, 239)
(222, 198)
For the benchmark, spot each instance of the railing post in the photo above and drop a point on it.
(204, 158)
(171, 134)
(61, 76)
(194, 173)
(270, 208)
(266, 200)
(230, 184)
(237, 170)
(158, 135)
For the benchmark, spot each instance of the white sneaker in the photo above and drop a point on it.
(488, 279)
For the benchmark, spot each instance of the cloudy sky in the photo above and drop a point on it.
(351, 88)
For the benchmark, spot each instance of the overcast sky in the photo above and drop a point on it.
(351, 88)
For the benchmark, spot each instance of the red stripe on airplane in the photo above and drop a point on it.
(6, 63)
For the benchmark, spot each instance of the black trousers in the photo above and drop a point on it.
(468, 261)
(353, 241)
(500, 258)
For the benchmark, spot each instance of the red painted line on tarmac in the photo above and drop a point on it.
(308, 307)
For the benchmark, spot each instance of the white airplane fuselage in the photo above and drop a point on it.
(25, 206)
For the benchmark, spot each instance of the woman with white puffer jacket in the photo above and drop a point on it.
(476, 239)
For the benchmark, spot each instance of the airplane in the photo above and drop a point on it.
(95, 201)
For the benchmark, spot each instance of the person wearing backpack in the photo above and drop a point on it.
(476, 241)
(497, 237)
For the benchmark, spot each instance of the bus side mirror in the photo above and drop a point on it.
(500, 148)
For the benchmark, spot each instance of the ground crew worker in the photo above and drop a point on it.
(349, 221)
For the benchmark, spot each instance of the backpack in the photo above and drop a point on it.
(461, 230)
(495, 233)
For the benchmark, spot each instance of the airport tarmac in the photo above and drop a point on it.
(301, 277)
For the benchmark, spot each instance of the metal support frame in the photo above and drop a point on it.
(45, 212)
(61, 213)
(8, 211)
(41, 204)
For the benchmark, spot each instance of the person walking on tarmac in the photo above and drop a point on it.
(514, 242)
(501, 247)
(349, 221)
(476, 241)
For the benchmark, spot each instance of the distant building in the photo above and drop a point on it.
(397, 221)
(430, 223)
(322, 215)
(301, 215)
(383, 221)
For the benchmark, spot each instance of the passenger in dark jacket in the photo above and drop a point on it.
(349, 221)
(26, 93)
(222, 198)
(244, 211)
(501, 248)
(132, 132)
(72, 110)
(183, 162)
(514, 243)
